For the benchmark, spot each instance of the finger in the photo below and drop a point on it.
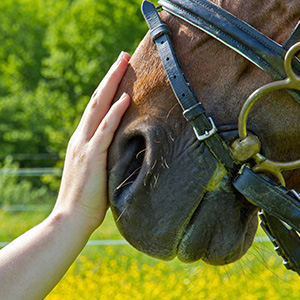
(107, 128)
(98, 106)
(124, 56)
(101, 100)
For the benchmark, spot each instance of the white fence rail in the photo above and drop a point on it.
(91, 243)
(263, 239)
(31, 172)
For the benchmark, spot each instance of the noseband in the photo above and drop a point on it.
(280, 215)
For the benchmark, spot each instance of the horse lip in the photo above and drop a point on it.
(208, 246)
(188, 228)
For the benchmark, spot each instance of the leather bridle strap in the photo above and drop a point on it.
(272, 198)
(236, 34)
(286, 240)
(193, 110)
(280, 216)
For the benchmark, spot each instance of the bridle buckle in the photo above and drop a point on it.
(207, 133)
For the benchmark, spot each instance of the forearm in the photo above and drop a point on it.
(33, 264)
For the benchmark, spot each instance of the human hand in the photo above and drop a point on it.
(83, 191)
(38, 259)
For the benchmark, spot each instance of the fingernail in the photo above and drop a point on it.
(124, 95)
(123, 55)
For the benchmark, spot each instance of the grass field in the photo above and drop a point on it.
(120, 272)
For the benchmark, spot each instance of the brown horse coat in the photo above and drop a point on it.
(167, 193)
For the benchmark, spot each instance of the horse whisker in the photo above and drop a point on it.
(121, 214)
(165, 163)
(122, 183)
(145, 179)
(129, 182)
(137, 156)
(170, 111)
(155, 180)
(154, 164)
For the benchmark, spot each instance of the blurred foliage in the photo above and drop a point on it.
(16, 191)
(53, 54)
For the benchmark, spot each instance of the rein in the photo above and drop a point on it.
(280, 216)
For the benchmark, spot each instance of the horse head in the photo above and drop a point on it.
(169, 195)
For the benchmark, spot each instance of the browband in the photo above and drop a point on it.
(236, 34)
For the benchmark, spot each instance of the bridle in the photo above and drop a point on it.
(280, 207)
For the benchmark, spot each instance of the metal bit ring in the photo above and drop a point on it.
(291, 82)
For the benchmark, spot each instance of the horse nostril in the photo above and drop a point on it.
(133, 151)
(137, 147)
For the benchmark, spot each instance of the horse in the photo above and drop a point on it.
(168, 195)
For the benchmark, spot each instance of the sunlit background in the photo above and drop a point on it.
(53, 54)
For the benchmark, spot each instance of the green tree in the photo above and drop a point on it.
(22, 30)
(53, 54)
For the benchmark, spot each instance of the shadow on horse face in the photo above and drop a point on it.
(169, 195)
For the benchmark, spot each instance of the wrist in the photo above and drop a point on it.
(72, 222)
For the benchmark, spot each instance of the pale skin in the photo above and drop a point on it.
(33, 264)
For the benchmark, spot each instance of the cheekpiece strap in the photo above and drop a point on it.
(194, 112)
(158, 31)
